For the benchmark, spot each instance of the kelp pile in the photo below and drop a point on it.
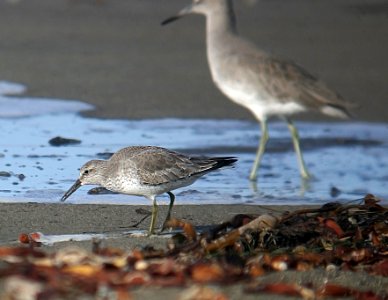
(351, 237)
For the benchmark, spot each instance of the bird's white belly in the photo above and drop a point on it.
(134, 187)
(261, 104)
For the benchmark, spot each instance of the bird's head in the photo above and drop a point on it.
(91, 173)
(203, 7)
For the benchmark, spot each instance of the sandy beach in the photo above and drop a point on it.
(115, 55)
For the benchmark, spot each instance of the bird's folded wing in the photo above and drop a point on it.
(158, 167)
(291, 81)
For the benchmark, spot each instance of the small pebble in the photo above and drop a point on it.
(334, 192)
(100, 191)
(5, 174)
(60, 141)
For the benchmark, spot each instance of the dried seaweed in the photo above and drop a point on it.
(345, 237)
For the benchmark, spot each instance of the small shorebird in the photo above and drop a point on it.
(264, 84)
(147, 171)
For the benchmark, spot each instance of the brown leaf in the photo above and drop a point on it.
(163, 266)
(136, 278)
(333, 290)
(284, 289)
(256, 270)
(20, 251)
(333, 226)
(82, 270)
(188, 228)
(207, 272)
(380, 268)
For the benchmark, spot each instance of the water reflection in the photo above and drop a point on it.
(346, 159)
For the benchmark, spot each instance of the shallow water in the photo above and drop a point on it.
(350, 157)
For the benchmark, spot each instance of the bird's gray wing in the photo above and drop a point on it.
(292, 81)
(285, 80)
(158, 166)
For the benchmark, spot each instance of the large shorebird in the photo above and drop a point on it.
(264, 84)
(147, 171)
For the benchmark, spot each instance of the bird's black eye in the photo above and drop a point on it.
(86, 172)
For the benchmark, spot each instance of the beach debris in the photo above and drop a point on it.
(308, 292)
(100, 191)
(5, 174)
(33, 238)
(61, 141)
(202, 292)
(335, 192)
(21, 176)
(335, 237)
(188, 228)
(284, 289)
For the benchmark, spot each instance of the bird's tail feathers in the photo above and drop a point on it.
(223, 162)
(336, 111)
(213, 163)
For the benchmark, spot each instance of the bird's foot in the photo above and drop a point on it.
(306, 175)
(253, 176)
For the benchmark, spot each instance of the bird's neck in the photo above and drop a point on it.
(221, 36)
(221, 21)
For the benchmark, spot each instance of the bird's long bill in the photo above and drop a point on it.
(182, 13)
(73, 188)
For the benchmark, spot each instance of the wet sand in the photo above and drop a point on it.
(109, 219)
(116, 56)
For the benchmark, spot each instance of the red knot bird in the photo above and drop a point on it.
(266, 85)
(147, 171)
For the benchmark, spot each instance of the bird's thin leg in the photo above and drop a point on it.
(260, 149)
(154, 214)
(172, 199)
(295, 139)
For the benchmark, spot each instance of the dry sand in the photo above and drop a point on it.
(116, 55)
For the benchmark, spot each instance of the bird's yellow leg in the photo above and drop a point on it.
(172, 199)
(260, 150)
(153, 216)
(295, 139)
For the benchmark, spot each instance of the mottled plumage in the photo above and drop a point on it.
(147, 171)
(266, 85)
